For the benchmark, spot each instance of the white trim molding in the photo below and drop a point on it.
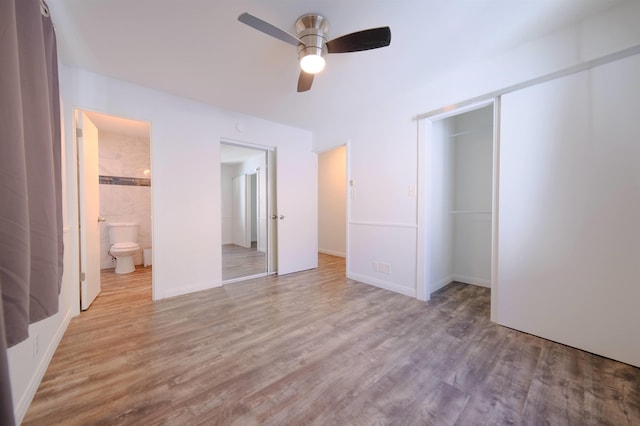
(407, 291)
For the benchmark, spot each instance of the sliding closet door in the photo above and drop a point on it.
(569, 234)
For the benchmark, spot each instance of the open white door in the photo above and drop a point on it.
(241, 226)
(297, 207)
(89, 206)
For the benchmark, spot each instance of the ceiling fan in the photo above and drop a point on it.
(313, 44)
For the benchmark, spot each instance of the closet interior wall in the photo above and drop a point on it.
(461, 164)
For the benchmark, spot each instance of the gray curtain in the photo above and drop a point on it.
(30, 177)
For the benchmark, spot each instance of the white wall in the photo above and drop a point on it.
(185, 148)
(438, 179)
(569, 210)
(383, 150)
(332, 201)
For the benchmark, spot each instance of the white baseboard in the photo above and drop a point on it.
(22, 405)
(248, 277)
(439, 284)
(179, 291)
(411, 292)
(482, 282)
(332, 252)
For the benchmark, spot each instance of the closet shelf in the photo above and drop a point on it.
(469, 212)
(466, 132)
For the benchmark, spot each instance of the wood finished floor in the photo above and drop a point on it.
(316, 348)
(242, 262)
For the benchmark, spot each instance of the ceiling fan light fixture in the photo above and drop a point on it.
(312, 41)
(312, 64)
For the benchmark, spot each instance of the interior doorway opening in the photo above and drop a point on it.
(457, 220)
(332, 202)
(246, 202)
(114, 201)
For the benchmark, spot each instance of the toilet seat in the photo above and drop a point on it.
(125, 246)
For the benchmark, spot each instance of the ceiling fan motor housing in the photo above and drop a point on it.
(313, 31)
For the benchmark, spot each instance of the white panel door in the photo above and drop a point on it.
(569, 205)
(89, 200)
(297, 208)
(240, 218)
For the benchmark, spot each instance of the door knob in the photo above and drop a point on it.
(281, 216)
(102, 219)
(273, 216)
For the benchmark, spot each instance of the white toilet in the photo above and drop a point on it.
(123, 237)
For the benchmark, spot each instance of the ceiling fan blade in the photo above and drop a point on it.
(304, 81)
(361, 40)
(268, 29)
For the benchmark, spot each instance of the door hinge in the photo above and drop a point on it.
(78, 132)
(83, 276)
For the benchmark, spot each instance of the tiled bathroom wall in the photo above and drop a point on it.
(125, 188)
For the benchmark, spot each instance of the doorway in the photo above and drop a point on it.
(332, 202)
(456, 215)
(245, 204)
(114, 187)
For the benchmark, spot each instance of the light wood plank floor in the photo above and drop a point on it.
(242, 262)
(316, 348)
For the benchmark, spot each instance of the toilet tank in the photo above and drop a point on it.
(123, 232)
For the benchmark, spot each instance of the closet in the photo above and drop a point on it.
(459, 204)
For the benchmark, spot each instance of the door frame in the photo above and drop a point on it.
(349, 192)
(80, 195)
(89, 282)
(268, 175)
(423, 252)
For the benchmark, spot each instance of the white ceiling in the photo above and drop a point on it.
(197, 48)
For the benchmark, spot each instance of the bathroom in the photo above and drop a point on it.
(124, 186)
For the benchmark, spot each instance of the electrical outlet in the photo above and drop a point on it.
(384, 268)
(374, 265)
